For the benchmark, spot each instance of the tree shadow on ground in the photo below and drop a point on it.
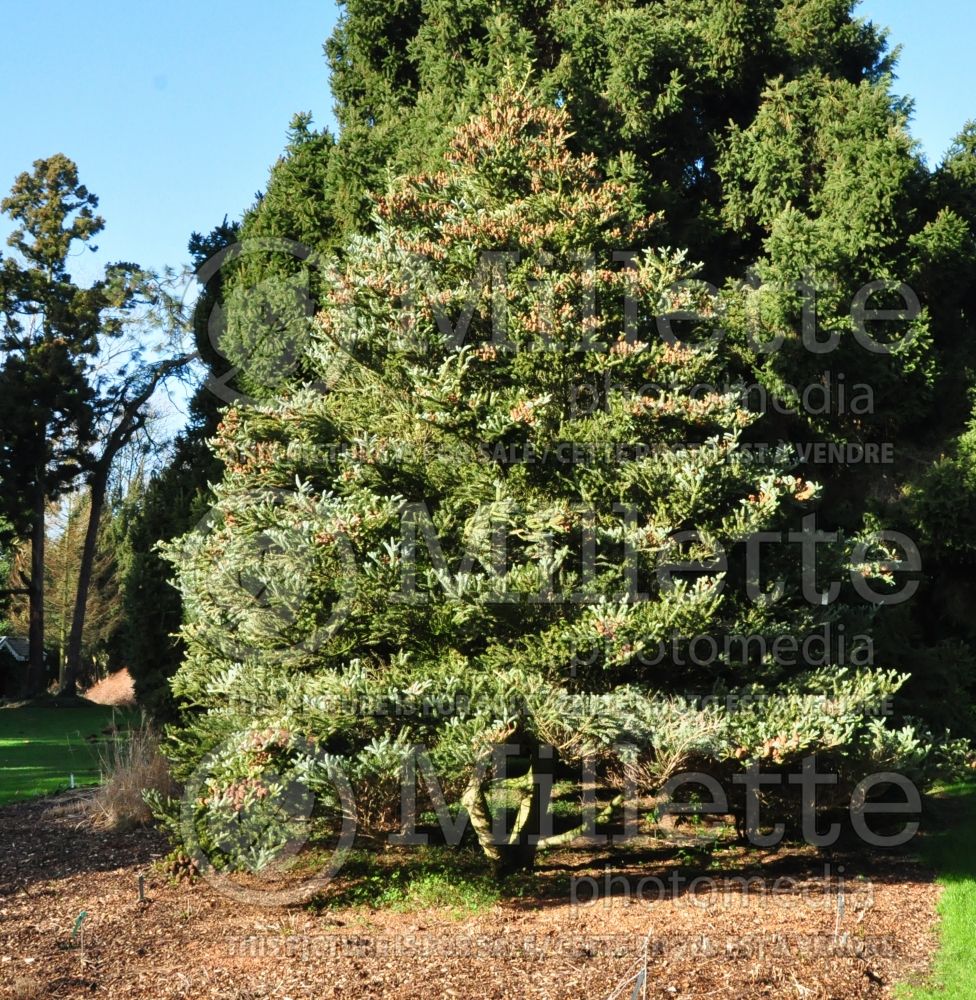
(36, 845)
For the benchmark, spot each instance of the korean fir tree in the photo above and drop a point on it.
(473, 524)
(767, 137)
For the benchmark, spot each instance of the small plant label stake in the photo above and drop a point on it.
(639, 987)
(77, 938)
(840, 911)
(71, 779)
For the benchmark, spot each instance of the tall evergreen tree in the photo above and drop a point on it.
(650, 89)
(424, 529)
(763, 137)
(768, 138)
(177, 496)
(51, 330)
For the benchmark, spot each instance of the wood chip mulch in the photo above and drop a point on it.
(814, 934)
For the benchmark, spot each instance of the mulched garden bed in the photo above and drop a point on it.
(780, 924)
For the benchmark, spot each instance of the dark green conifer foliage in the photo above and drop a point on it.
(374, 543)
(50, 333)
(650, 89)
(766, 142)
(175, 498)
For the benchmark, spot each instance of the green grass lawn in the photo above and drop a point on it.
(41, 746)
(950, 853)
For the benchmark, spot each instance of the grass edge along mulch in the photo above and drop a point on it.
(949, 852)
(43, 744)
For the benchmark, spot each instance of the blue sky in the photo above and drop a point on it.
(936, 65)
(175, 111)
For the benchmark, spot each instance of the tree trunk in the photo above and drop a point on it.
(36, 669)
(63, 624)
(532, 822)
(517, 851)
(72, 668)
(476, 804)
